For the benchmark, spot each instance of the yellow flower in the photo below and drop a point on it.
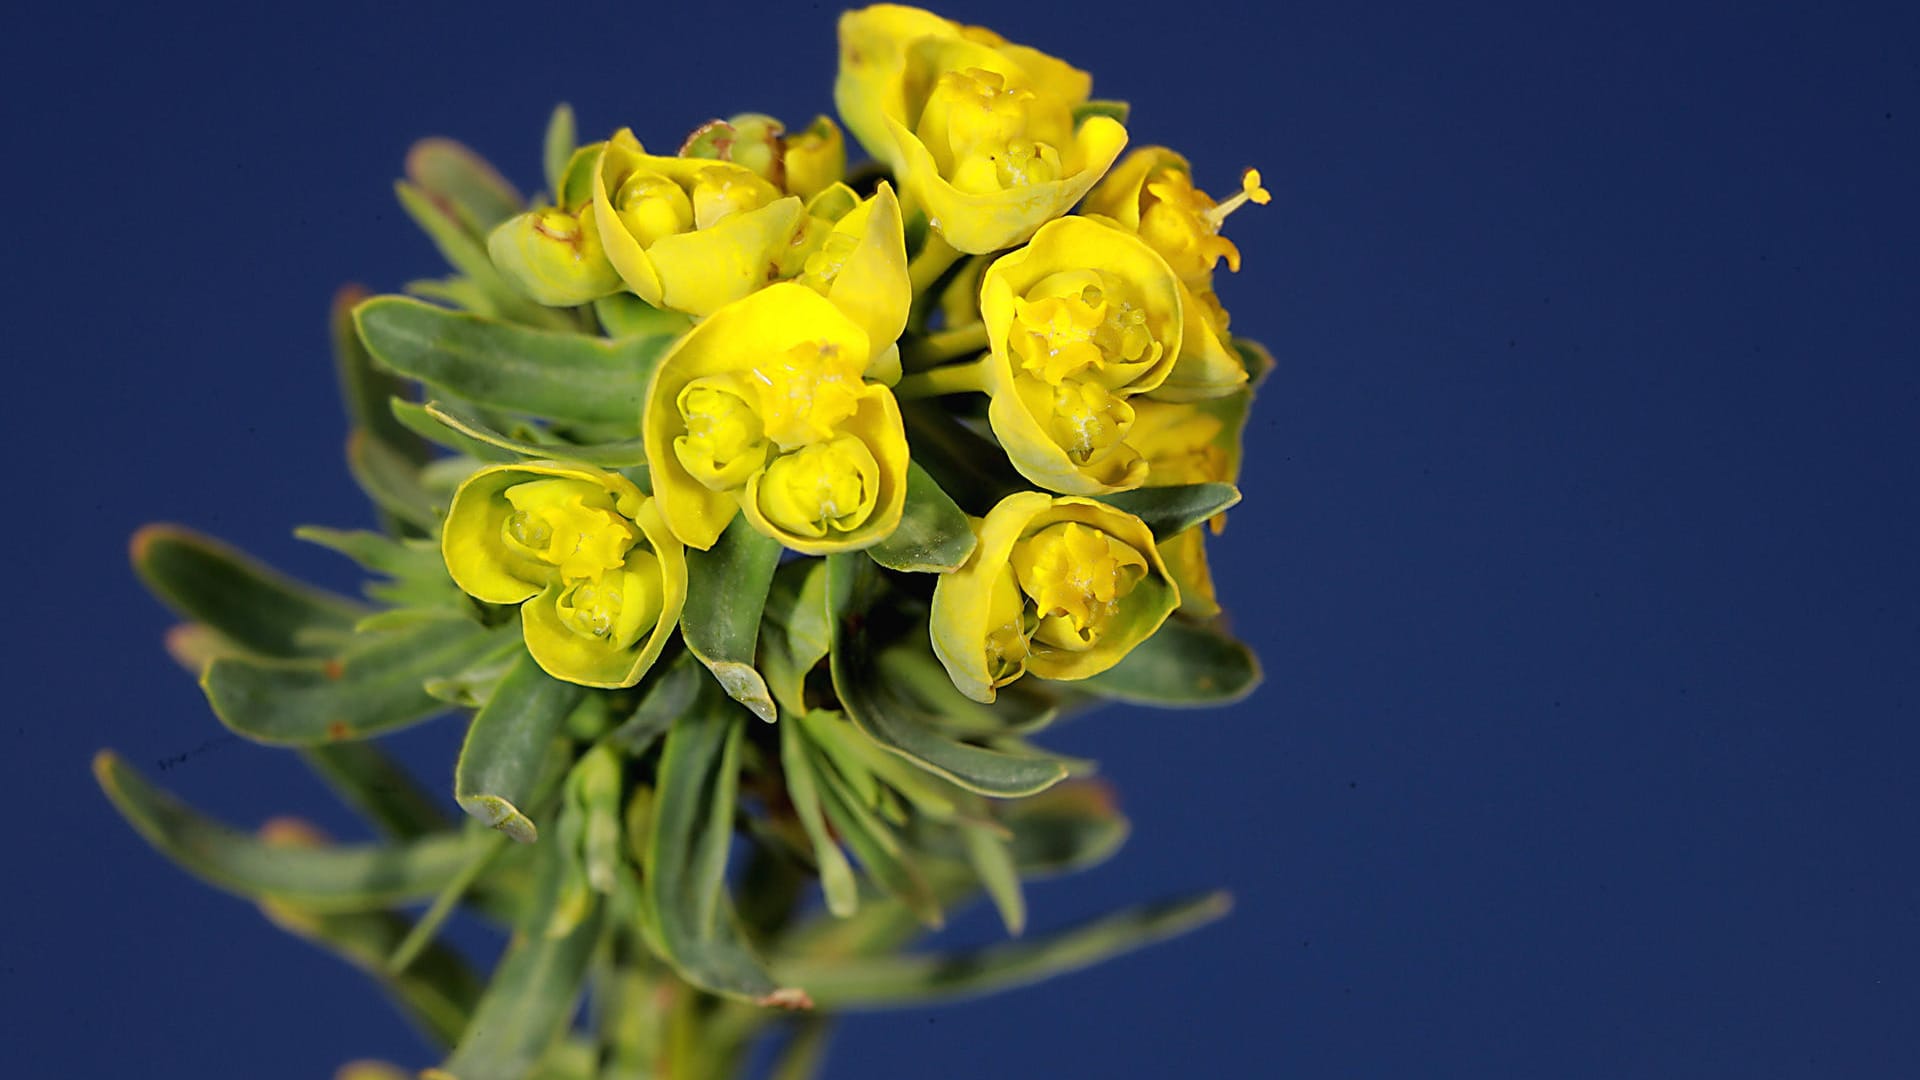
(1058, 587)
(1192, 443)
(689, 234)
(768, 408)
(980, 131)
(816, 158)
(1080, 320)
(599, 578)
(857, 258)
(1151, 194)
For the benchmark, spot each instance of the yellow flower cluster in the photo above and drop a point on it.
(1070, 285)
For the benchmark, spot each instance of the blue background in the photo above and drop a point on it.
(1579, 538)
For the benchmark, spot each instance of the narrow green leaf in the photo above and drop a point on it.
(376, 686)
(1170, 511)
(557, 148)
(1070, 827)
(415, 418)
(462, 181)
(836, 874)
(615, 455)
(507, 745)
(670, 691)
(805, 1052)
(421, 936)
(1182, 664)
(905, 979)
(624, 315)
(1257, 358)
(344, 877)
(368, 780)
(888, 864)
(256, 608)
(471, 685)
(993, 864)
(934, 535)
(531, 999)
(365, 389)
(692, 830)
(726, 592)
(379, 553)
(562, 376)
(891, 718)
(392, 482)
(466, 252)
(795, 632)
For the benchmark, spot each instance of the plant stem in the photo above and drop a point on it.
(921, 353)
(967, 378)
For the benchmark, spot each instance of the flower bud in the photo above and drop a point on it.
(553, 256)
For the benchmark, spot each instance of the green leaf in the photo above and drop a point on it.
(557, 148)
(836, 874)
(344, 877)
(993, 863)
(506, 745)
(374, 784)
(887, 864)
(692, 831)
(1170, 511)
(462, 181)
(1182, 664)
(670, 691)
(415, 418)
(905, 979)
(392, 482)
(380, 554)
(616, 455)
(795, 632)
(726, 592)
(624, 315)
(1256, 357)
(561, 376)
(531, 998)
(365, 389)
(375, 686)
(1116, 110)
(466, 251)
(934, 535)
(438, 991)
(1070, 827)
(889, 716)
(252, 606)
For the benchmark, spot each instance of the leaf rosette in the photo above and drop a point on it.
(599, 577)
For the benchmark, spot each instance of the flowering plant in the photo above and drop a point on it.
(906, 462)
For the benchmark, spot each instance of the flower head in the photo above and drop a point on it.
(1080, 320)
(599, 578)
(1059, 587)
(767, 408)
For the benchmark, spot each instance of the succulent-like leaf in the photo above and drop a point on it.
(795, 633)
(616, 455)
(557, 147)
(462, 181)
(368, 780)
(560, 376)
(393, 483)
(803, 790)
(256, 608)
(364, 388)
(726, 592)
(903, 980)
(466, 252)
(345, 877)
(508, 743)
(891, 718)
(376, 686)
(933, 535)
(1182, 664)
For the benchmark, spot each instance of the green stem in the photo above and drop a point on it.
(435, 916)
(935, 258)
(932, 350)
(967, 378)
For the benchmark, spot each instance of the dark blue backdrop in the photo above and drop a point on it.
(1579, 537)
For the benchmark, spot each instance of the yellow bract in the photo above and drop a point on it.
(816, 158)
(980, 131)
(689, 234)
(858, 260)
(766, 408)
(1151, 194)
(1080, 320)
(1058, 587)
(599, 578)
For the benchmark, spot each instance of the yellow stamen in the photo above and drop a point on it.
(1250, 191)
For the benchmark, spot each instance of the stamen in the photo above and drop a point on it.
(1250, 190)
